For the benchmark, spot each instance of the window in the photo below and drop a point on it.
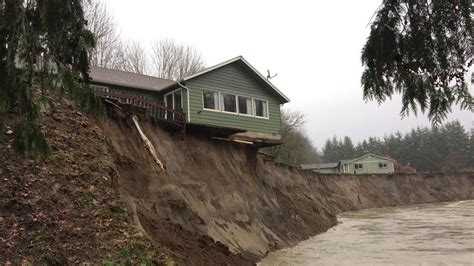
(234, 104)
(382, 165)
(169, 100)
(261, 108)
(358, 166)
(245, 106)
(229, 103)
(178, 103)
(173, 100)
(210, 100)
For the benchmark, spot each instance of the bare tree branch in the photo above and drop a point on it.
(291, 121)
(132, 57)
(296, 147)
(104, 27)
(171, 60)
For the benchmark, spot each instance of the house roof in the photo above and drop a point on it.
(140, 81)
(319, 166)
(128, 79)
(346, 160)
(233, 60)
(366, 155)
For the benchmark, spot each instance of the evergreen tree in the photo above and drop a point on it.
(374, 145)
(43, 44)
(362, 148)
(327, 151)
(456, 140)
(422, 50)
(333, 150)
(347, 148)
(392, 144)
(470, 152)
(436, 148)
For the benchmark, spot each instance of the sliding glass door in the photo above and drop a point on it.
(173, 100)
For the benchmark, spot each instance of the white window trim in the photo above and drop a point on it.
(218, 109)
(255, 109)
(252, 111)
(221, 99)
(171, 92)
(220, 103)
(246, 115)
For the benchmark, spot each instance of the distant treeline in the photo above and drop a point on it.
(446, 148)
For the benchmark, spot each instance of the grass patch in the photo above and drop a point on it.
(49, 257)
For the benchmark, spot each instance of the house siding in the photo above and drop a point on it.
(233, 79)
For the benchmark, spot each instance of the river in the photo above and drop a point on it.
(428, 234)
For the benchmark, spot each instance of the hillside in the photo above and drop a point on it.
(63, 209)
(101, 196)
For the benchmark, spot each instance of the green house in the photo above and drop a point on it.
(367, 164)
(231, 100)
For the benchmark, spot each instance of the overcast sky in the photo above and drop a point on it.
(313, 46)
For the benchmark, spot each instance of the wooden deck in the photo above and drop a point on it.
(173, 119)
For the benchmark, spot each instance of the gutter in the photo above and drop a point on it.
(108, 82)
(187, 98)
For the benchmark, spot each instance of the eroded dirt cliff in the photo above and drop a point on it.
(227, 192)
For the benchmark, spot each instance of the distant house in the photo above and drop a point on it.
(367, 164)
(326, 168)
(231, 100)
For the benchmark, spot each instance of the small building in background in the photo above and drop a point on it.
(367, 164)
(325, 168)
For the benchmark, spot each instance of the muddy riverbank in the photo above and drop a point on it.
(243, 200)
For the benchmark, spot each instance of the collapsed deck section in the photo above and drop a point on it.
(168, 117)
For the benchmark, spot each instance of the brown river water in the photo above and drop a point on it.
(428, 234)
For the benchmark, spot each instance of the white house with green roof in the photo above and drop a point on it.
(367, 164)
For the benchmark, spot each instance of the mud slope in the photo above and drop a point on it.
(243, 200)
(63, 210)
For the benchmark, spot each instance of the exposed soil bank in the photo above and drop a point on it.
(244, 201)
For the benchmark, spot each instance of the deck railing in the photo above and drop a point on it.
(170, 117)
